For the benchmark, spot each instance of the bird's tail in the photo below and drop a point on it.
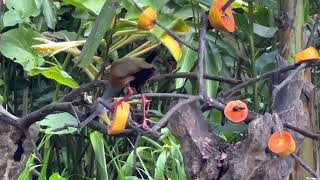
(151, 56)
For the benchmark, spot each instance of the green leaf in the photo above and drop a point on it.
(56, 176)
(186, 12)
(94, 6)
(212, 65)
(127, 167)
(54, 121)
(133, 12)
(266, 61)
(43, 172)
(101, 25)
(167, 20)
(16, 45)
(49, 13)
(19, 11)
(161, 162)
(187, 59)
(56, 74)
(98, 148)
(25, 174)
(264, 31)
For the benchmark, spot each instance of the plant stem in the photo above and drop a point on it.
(252, 55)
(25, 101)
(64, 66)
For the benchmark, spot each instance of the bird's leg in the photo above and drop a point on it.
(117, 103)
(144, 124)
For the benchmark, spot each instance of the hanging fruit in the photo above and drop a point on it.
(281, 143)
(120, 118)
(147, 19)
(236, 111)
(219, 19)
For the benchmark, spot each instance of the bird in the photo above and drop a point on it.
(125, 72)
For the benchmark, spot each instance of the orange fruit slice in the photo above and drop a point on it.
(306, 55)
(147, 19)
(120, 118)
(281, 143)
(219, 19)
(236, 111)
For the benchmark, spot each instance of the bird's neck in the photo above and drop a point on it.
(111, 91)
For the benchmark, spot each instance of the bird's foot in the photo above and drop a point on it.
(144, 125)
(117, 103)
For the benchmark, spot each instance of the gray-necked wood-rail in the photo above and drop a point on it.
(132, 71)
(123, 72)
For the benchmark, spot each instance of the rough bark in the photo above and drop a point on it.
(206, 156)
(12, 144)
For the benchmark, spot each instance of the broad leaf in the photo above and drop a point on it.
(16, 45)
(19, 11)
(94, 6)
(54, 121)
(264, 31)
(101, 25)
(56, 74)
(212, 65)
(160, 166)
(187, 60)
(98, 148)
(172, 45)
(49, 13)
(56, 176)
(266, 61)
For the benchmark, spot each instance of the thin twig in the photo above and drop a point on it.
(192, 75)
(134, 161)
(266, 75)
(314, 29)
(278, 87)
(305, 133)
(167, 116)
(83, 88)
(227, 4)
(161, 95)
(201, 54)
(39, 114)
(304, 165)
(170, 33)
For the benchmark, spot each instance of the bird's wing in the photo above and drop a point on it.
(128, 66)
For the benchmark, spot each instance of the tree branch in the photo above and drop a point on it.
(39, 114)
(278, 87)
(266, 75)
(172, 110)
(201, 54)
(305, 133)
(83, 88)
(304, 165)
(191, 75)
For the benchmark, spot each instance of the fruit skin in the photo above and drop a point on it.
(147, 19)
(219, 19)
(236, 111)
(120, 118)
(306, 55)
(283, 146)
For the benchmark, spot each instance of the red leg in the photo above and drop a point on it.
(144, 124)
(130, 92)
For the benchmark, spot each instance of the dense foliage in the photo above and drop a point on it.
(33, 77)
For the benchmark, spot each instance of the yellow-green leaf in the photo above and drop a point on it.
(56, 74)
(181, 27)
(172, 45)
